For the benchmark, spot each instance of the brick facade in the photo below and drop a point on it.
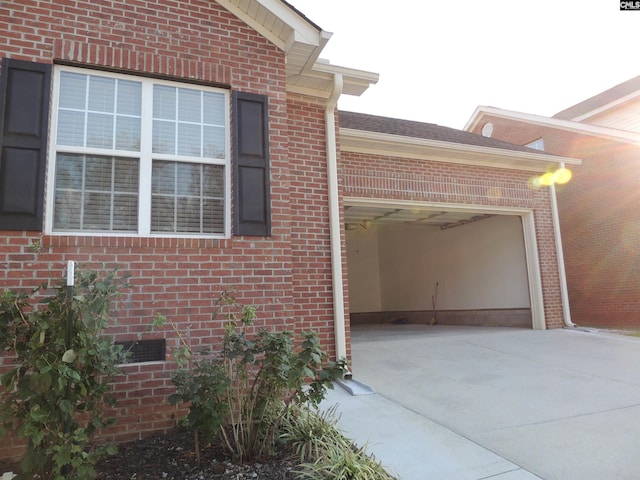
(193, 40)
(598, 212)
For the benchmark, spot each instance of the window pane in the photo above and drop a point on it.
(71, 128)
(188, 179)
(100, 130)
(163, 214)
(102, 94)
(125, 178)
(125, 212)
(189, 139)
(189, 104)
(69, 172)
(72, 90)
(128, 133)
(97, 173)
(188, 215)
(214, 142)
(213, 219)
(97, 211)
(214, 181)
(129, 98)
(180, 203)
(67, 210)
(96, 193)
(163, 178)
(214, 108)
(164, 137)
(164, 102)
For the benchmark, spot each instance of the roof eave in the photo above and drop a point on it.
(302, 41)
(318, 82)
(567, 125)
(361, 141)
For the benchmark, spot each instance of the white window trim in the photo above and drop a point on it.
(145, 157)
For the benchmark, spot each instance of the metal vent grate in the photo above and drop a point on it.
(145, 350)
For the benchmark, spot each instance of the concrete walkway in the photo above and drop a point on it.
(471, 403)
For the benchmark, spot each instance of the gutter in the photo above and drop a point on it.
(334, 217)
(564, 295)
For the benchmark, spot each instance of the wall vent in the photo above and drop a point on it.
(145, 350)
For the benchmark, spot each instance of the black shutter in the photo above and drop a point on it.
(24, 118)
(252, 199)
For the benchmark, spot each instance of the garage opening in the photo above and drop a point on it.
(444, 265)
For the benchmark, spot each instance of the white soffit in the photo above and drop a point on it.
(301, 41)
(362, 141)
(567, 125)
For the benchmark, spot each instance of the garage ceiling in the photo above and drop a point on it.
(365, 216)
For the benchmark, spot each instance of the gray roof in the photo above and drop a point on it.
(614, 93)
(430, 131)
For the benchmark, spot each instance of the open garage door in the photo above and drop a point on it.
(444, 264)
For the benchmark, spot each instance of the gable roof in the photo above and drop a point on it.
(302, 41)
(602, 101)
(374, 134)
(550, 122)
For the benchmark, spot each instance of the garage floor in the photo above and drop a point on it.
(509, 404)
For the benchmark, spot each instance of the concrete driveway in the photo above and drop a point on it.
(470, 403)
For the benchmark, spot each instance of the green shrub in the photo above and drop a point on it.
(56, 396)
(242, 392)
(340, 463)
(308, 432)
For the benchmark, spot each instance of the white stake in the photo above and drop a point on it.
(70, 273)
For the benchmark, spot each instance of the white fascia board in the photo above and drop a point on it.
(355, 82)
(567, 125)
(362, 141)
(305, 32)
(606, 107)
(355, 77)
(301, 29)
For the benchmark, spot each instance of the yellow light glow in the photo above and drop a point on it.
(546, 179)
(562, 176)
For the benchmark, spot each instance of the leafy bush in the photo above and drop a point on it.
(56, 396)
(241, 393)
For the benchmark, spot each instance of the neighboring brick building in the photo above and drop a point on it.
(193, 145)
(599, 207)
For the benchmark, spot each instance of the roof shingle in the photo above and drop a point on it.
(430, 131)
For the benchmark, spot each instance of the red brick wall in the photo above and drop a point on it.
(384, 177)
(599, 221)
(310, 234)
(289, 284)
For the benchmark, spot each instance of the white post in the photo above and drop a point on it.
(70, 273)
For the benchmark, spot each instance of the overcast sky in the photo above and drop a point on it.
(440, 59)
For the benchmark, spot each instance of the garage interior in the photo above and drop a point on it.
(426, 265)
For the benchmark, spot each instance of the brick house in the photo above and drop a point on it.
(194, 145)
(599, 207)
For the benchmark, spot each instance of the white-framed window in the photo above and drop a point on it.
(137, 156)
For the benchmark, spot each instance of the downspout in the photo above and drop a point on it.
(334, 217)
(566, 312)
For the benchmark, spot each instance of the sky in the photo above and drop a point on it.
(438, 60)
